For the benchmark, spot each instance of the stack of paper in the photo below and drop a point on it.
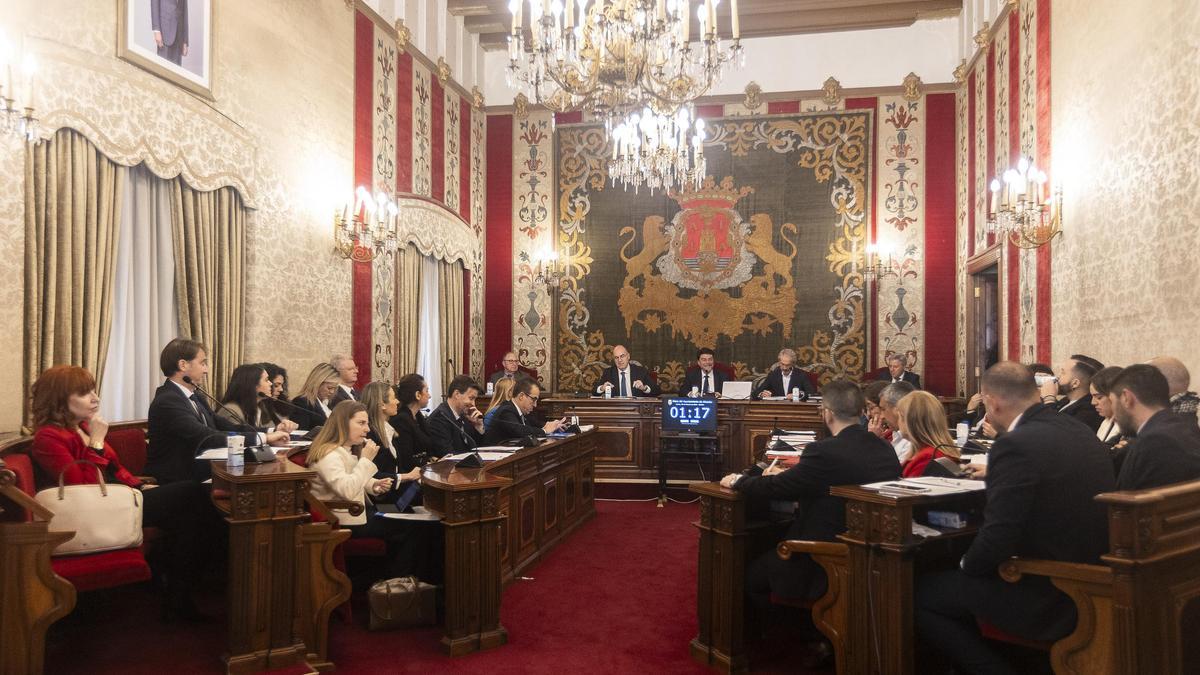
(214, 453)
(927, 486)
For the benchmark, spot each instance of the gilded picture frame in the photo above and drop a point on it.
(172, 39)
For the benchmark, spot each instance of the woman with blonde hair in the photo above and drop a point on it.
(342, 476)
(923, 421)
(501, 394)
(315, 396)
(381, 402)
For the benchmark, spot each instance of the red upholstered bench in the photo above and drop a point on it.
(992, 633)
(85, 572)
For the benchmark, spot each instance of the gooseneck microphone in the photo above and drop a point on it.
(237, 418)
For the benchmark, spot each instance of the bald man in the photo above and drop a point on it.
(511, 369)
(1178, 380)
(625, 378)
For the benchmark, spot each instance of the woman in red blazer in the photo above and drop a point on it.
(923, 421)
(66, 412)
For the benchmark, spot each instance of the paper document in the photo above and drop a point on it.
(784, 453)
(586, 427)
(924, 530)
(506, 449)
(928, 486)
(214, 453)
(419, 513)
(485, 455)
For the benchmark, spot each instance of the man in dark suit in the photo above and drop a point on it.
(180, 424)
(896, 371)
(348, 371)
(705, 379)
(169, 21)
(1042, 476)
(512, 418)
(510, 369)
(785, 378)
(457, 425)
(624, 378)
(851, 455)
(1075, 388)
(1167, 447)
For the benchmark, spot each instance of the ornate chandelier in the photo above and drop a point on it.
(368, 231)
(1021, 209)
(611, 58)
(661, 152)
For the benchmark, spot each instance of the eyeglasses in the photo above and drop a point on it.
(511, 361)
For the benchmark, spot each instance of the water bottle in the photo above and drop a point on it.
(795, 394)
(607, 391)
(491, 388)
(236, 444)
(695, 392)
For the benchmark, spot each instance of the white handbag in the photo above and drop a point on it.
(103, 517)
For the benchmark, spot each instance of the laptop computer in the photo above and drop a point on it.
(736, 389)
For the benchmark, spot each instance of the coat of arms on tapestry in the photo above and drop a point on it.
(767, 253)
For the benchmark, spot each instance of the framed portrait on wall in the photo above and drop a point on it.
(171, 38)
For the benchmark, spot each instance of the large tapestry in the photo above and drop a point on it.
(767, 253)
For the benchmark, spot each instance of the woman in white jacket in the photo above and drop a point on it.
(413, 547)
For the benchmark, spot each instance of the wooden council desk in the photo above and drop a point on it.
(501, 519)
(628, 429)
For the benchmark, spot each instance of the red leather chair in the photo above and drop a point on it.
(723, 368)
(85, 572)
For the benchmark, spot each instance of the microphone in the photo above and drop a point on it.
(238, 419)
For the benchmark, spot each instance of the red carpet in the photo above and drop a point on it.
(618, 596)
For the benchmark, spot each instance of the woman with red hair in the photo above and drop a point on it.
(66, 412)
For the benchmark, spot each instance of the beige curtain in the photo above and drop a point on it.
(450, 302)
(209, 233)
(408, 308)
(72, 213)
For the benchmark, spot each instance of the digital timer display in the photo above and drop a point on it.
(689, 414)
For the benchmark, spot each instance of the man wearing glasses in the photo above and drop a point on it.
(624, 378)
(512, 417)
(511, 369)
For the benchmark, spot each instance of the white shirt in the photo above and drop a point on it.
(628, 382)
(187, 394)
(349, 391)
(324, 408)
(786, 378)
(1015, 422)
(901, 445)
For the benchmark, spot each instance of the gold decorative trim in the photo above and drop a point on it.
(403, 34)
(476, 98)
(443, 70)
(1013, 4)
(984, 34)
(960, 72)
(754, 97)
(521, 106)
(833, 91)
(912, 87)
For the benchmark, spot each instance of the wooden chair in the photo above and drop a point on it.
(1139, 611)
(829, 612)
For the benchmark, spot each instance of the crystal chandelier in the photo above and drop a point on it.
(1021, 209)
(661, 152)
(611, 58)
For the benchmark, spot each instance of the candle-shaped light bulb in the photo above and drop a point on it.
(29, 70)
(995, 188)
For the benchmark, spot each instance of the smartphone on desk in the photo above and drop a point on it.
(902, 488)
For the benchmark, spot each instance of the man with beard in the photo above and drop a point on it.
(1167, 447)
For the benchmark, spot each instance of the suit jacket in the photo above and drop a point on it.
(449, 435)
(852, 457)
(774, 383)
(508, 423)
(1041, 482)
(1166, 451)
(311, 417)
(341, 395)
(496, 376)
(636, 373)
(413, 443)
(177, 434)
(1082, 410)
(908, 376)
(170, 17)
(693, 378)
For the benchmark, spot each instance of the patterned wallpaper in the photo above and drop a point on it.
(279, 131)
(1126, 143)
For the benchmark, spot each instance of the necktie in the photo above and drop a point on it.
(704, 387)
(195, 398)
(624, 385)
(462, 428)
